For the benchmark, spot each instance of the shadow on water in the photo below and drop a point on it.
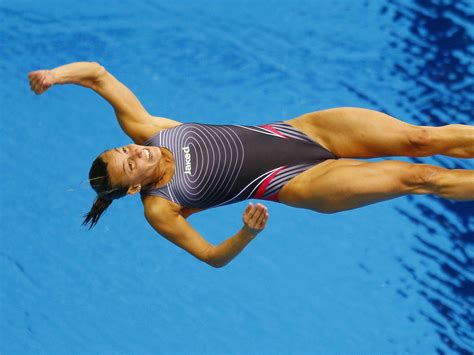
(432, 41)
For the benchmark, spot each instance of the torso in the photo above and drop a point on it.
(221, 164)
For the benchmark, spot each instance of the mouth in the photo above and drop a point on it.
(147, 154)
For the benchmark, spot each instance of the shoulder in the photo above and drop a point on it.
(154, 125)
(156, 207)
(161, 214)
(160, 211)
(163, 123)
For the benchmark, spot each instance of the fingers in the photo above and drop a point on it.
(249, 208)
(254, 212)
(262, 219)
(39, 82)
(255, 217)
(35, 78)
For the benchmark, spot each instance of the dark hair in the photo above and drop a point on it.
(106, 193)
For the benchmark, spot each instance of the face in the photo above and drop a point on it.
(133, 164)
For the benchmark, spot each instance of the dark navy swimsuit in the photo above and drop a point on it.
(220, 164)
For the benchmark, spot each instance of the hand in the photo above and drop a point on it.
(40, 80)
(255, 218)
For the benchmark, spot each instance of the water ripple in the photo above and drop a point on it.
(433, 41)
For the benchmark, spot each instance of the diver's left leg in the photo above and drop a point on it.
(361, 133)
(344, 184)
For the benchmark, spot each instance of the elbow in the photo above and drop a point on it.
(99, 71)
(216, 264)
(211, 259)
(98, 76)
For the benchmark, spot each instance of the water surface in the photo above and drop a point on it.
(396, 277)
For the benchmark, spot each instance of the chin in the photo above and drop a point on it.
(157, 153)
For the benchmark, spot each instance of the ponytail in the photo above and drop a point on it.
(106, 193)
(99, 207)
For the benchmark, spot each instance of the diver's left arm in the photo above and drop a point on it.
(135, 121)
(176, 229)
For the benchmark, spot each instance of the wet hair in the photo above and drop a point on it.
(100, 181)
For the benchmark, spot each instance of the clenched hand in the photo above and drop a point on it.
(255, 218)
(40, 81)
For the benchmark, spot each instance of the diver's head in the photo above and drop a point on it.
(119, 172)
(133, 165)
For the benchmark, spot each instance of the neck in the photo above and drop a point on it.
(165, 168)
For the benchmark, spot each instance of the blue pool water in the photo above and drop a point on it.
(396, 277)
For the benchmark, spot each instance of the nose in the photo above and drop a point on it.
(138, 152)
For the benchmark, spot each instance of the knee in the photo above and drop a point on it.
(326, 209)
(420, 139)
(423, 177)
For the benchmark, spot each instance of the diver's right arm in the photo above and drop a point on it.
(80, 73)
(135, 121)
(175, 228)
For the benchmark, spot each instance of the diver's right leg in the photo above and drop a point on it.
(351, 132)
(344, 184)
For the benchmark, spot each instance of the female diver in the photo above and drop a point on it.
(306, 162)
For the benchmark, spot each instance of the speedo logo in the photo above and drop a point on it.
(187, 160)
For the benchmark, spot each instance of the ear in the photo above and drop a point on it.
(134, 189)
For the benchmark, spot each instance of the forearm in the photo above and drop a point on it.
(80, 73)
(226, 251)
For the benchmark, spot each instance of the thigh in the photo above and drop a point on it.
(359, 133)
(346, 184)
